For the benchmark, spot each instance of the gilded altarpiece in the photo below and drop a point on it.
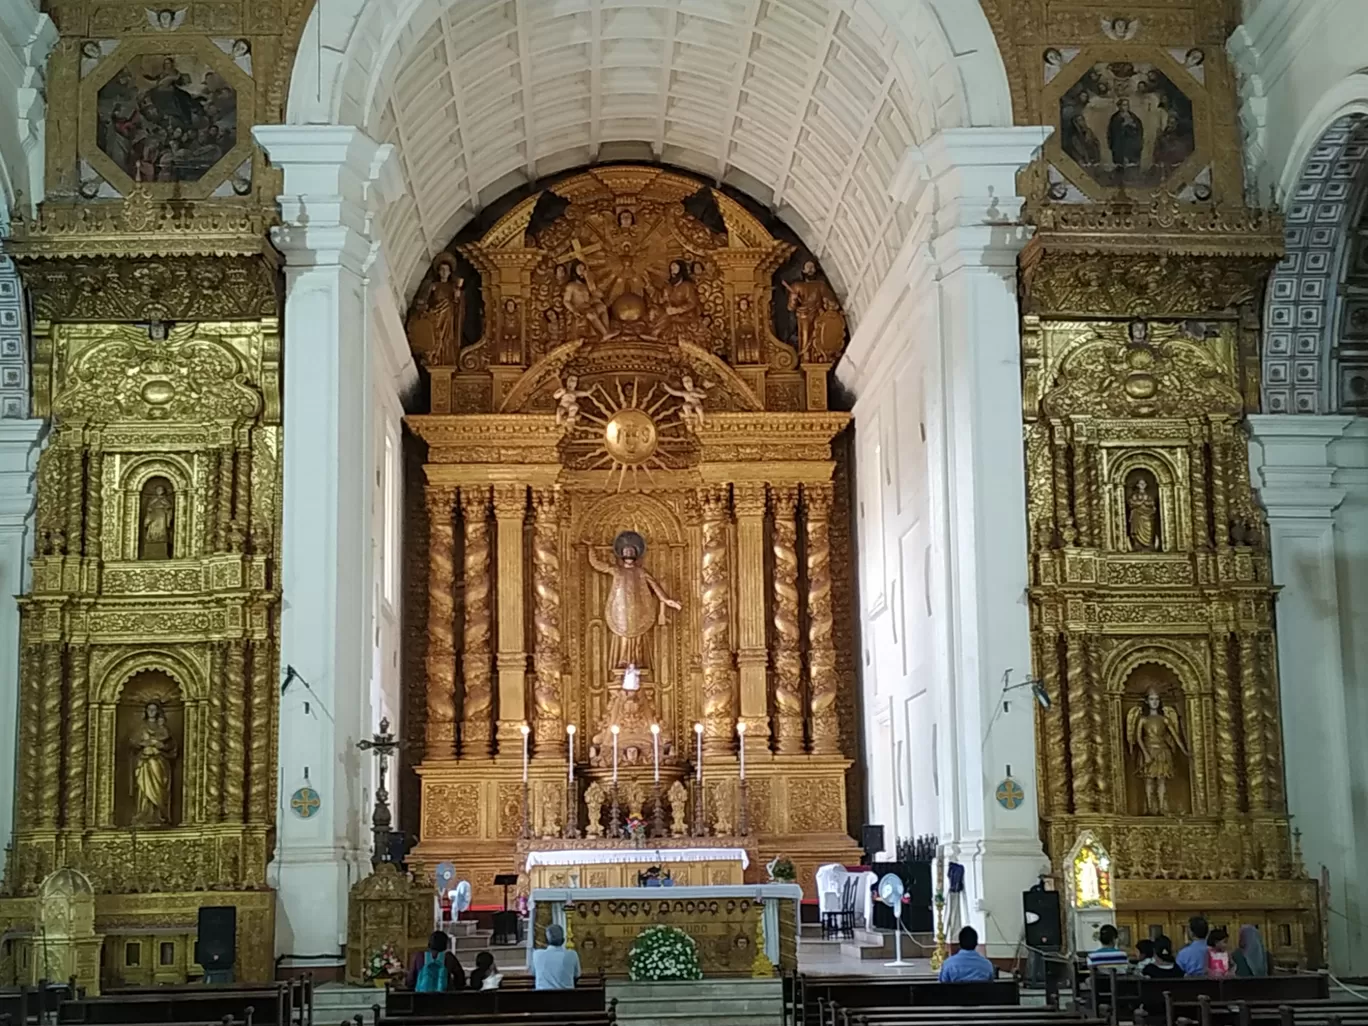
(1151, 595)
(630, 508)
(148, 639)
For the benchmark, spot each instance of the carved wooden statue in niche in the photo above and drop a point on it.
(808, 300)
(153, 750)
(636, 602)
(440, 314)
(1142, 512)
(157, 520)
(1153, 732)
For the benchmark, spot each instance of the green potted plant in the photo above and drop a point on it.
(781, 870)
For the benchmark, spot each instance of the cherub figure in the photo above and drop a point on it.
(691, 412)
(567, 402)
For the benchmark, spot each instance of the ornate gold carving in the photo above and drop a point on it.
(788, 671)
(235, 686)
(475, 662)
(441, 624)
(546, 622)
(825, 726)
(718, 702)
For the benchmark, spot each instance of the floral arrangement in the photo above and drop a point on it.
(636, 827)
(781, 868)
(664, 953)
(383, 964)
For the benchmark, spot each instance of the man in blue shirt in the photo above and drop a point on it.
(555, 966)
(966, 965)
(1193, 958)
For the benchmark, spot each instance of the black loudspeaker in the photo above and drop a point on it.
(916, 914)
(1044, 931)
(871, 840)
(216, 939)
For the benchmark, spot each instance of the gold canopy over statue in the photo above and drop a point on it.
(648, 388)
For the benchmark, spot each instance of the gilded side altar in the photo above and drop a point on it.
(633, 515)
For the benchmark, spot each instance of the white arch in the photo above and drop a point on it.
(818, 120)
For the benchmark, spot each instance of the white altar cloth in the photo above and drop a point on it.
(611, 856)
(559, 897)
(831, 881)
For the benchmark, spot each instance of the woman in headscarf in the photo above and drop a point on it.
(1250, 957)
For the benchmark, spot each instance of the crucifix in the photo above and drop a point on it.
(579, 252)
(384, 745)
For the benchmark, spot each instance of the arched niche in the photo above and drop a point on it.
(157, 524)
(149, 731)
(1157, 740)
(137, 487)
(1147, 485)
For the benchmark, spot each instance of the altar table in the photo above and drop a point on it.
(619, 866)
(746, 930)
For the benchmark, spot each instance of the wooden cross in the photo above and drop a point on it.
(578, 252)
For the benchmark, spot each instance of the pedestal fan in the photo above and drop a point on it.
(891, 894)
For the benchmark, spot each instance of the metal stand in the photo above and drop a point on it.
(942, 951)
(615, 816)
(383, 745)
(572, 811)
(526, 833)
(743, 815)
(657, 813)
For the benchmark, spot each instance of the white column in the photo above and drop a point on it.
(982, 513)
(1294, 469)
(333, 177)
(20, 443)
(26, 38)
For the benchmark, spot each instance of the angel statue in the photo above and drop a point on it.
(567, 402)
(691, 412)
(1153, 729)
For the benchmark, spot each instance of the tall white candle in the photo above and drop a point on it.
(741, 731)
(698, 768)
(615, 729)
(526, 730)
(655, 744)
(570, 759)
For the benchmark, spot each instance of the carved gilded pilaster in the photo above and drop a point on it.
(1267, 654)
(510, 513)
(1097, 724)
(225, 500)
(213, 757)
(788, 662)
(1063, 508)
(234, 755)
(242, 489)
(1226, 755)
(1251, 706)
(752, 654)
(75, 499)
(475, 665)
(719, 702)
(50, 741)
(1056, 745)
(440, 736)
(1082, 508)
(95, 507)
(259, 769)
(211, 500)
(30, 729)
(825, 727)
(1201, 529)
(546, 622)
(1220, 504)
(77, 741)
(1080, 727)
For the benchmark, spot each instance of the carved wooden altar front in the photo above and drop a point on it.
(631, 504)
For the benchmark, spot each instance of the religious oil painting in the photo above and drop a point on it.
(166, 118)
(1126, 124)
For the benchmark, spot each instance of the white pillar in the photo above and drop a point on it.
(975, 243)
(1293, 467)
(20, 443)
(332, 180)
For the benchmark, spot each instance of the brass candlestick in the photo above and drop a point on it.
(942, 951)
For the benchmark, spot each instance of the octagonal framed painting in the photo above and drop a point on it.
(174, 117)
(1128, 122)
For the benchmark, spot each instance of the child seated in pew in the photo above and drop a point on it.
(1218, 958)
(1108, 956)
(1162, 966)
(485, 976)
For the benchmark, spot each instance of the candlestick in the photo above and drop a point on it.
(698, 769)
(741, 730)
(526, 730)
(655, 744)
(570, 759)
(616, 730)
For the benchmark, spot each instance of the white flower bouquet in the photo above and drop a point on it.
(664, 953)
(384, 964)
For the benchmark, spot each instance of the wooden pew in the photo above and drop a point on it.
(1181, 997)
(957, 1016)
(407, 1003)
(300, 992)
(257, 1007)
(854, 992)
(435, 1009)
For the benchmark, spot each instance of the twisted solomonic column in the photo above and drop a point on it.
(476, 665)
(788, 664)
(826, 728)
(440, 731)
(546, 622)
(719, 706)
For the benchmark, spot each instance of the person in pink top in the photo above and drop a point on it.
(1218, 958)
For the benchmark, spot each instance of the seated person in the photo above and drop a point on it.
(1218, 958)
(967, 965)
(1144, 950)
(555, 967)
(1108, 956)
(484, 976)
(1162, 966)
(436, 968)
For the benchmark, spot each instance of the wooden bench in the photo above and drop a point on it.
(952, 1015)
(300, 992)
(1347, 1012)
(414, 1009)
(1128, 992)
(256, 1007)
(813, 993)
(548, 1010)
